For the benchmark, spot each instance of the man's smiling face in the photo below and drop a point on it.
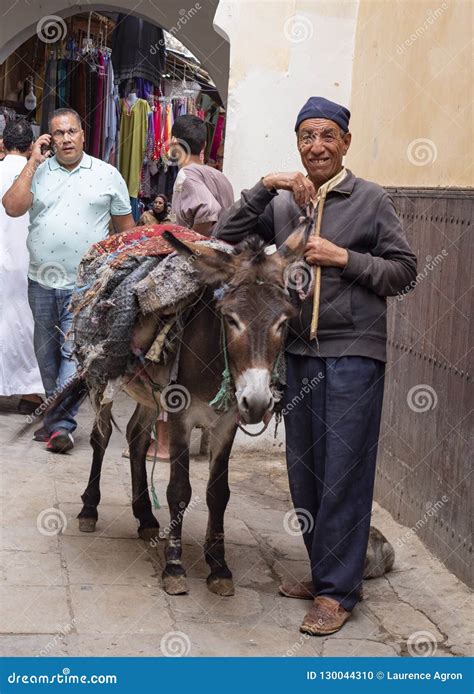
(322, 145)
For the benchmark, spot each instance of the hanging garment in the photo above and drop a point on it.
(158, 130)
(167, 125)
(97, 110)
(19, 373)
(132, 42)
(133, 132)
(48, 101)
(62, 84)
(110, 117)
(218, 135)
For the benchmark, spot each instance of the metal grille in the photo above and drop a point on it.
(424, 462)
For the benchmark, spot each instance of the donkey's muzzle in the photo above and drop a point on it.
(254, 397)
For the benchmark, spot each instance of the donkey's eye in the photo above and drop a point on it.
(281, 324)
(230, 320)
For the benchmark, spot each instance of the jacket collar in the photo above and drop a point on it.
(346, 186)
(85, 163)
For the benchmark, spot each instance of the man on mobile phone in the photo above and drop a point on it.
(71, 198)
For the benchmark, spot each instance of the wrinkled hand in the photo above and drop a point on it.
(301, 187)
(320, 251)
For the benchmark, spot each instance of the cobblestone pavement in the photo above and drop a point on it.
(100, 594)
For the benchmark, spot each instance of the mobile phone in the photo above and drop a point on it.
(47, 150)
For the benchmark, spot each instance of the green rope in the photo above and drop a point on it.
(225, 397)
(154, 495)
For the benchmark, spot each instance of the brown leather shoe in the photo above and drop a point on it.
(303, 590)
(326, 616)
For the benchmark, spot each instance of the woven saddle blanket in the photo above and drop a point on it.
(121, 277)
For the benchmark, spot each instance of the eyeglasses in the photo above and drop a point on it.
(59, 135)
(308, 139)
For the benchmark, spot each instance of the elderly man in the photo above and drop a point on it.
(71, 198)
(335, 382)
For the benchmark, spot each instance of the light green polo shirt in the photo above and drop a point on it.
(71, 210)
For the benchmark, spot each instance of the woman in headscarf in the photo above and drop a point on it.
(158, 212)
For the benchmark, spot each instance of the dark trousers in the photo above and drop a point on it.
(332, 416)
(50, 308)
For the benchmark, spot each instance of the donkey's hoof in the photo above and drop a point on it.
(175, 585)
(151, 535)
(87, 525)
(221, 586)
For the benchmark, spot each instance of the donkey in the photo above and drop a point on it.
(250, 318)
(242, 326)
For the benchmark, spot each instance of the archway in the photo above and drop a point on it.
(191, 22)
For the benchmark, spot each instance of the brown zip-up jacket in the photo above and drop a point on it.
(360, 216)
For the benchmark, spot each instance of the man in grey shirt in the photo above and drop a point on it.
(334, 395)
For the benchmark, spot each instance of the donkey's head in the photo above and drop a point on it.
(252, 300)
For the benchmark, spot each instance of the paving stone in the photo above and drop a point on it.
(106, 561)
(31, 645)
(402, 620)
(119, 609)
(113, 591)
(201, 602)
(28, 539)
(114, 521)
(116, 645)
(32, 568)
(353, 647)
(253, 640)
(33, 609)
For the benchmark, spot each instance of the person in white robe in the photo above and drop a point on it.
(19, 372)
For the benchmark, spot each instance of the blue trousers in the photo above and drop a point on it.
(332, 412)
(52, 321)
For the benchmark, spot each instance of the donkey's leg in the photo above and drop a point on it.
(138, 437)
(178, 495)
(220, 578)
(99, 441)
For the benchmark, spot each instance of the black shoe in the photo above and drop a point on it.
(41, 435)
(60, 441)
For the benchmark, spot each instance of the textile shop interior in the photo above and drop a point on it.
(127, 92)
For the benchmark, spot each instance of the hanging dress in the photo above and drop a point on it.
(133, 139)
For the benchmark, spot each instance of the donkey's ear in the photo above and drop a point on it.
(215, 266)
(293, 248)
